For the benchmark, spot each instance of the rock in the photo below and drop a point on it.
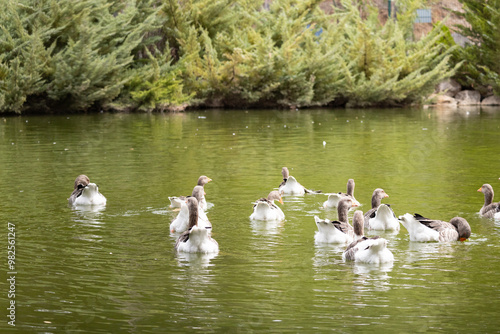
(460, 39)
(468, 98)
(449, 87)
(442, 100)
(491, 101)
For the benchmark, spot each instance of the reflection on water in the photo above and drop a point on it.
(264, 228)
(114, 269)
(195, 260)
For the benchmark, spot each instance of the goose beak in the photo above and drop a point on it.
(209, 179)
(281, 200)
(385, 196)
(480, 189)
(463, 239)
(355, 205)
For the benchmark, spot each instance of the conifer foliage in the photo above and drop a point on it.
(67, 53)
(481, 56)
(169, 54)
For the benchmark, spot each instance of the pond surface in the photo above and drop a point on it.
(114, 269)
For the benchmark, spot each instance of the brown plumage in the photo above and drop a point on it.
(80, 182)
(342, 224)
(202, 180)
(192, 204)
(457, 229)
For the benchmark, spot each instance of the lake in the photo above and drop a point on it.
(114, 269)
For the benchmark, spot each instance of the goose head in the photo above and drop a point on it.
(285, 173)
(345, 204)
(462, 227)
(275, 195)
(202, 180)
(198, 193)
(350, 187)
(487, 190)
(81, 181)
(377, 196)
(358, 223)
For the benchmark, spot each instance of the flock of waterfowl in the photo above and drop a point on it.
(195, 229)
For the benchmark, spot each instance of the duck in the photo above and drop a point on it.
(176, 201)
(377, 196)
(196, 239)
(181, 222)
(337, 231)
(368, 250)
(265, 209)
(489, 209)
(85, 193)
(333, 199)
(290, 186)
(424, 229)
(384, 219)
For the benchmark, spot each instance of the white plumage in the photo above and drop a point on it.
(333, 199)
(196, 239)
(423, 229)
(181, 222)
(90, 195)
(384, 219)
(368, 250)
(328, 232)
(265, 209)
(292, 187)
(337, 231)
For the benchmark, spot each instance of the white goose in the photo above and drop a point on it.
(377, 196)
(366, 250)
(86, 193)
(423, 229)
(197, 239)
(337, 231)
(333, 199)
(290, 186)
(384, 219)
(265, 209)
(176, 202)
(489, 209)
(181, 222)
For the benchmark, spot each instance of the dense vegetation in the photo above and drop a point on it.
(169, 54)
(481, 57)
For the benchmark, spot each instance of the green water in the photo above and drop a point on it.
(114, 270)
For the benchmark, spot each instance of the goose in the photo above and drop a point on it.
(377, 196)
(290, 186)
(85, 193)
(383, 219)
(337, 231)
(265, 209)
(489, 209)
(333, 199)
(423, 229)
(181, 222)
(368, 250)
(176, 202)
(196, 239)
